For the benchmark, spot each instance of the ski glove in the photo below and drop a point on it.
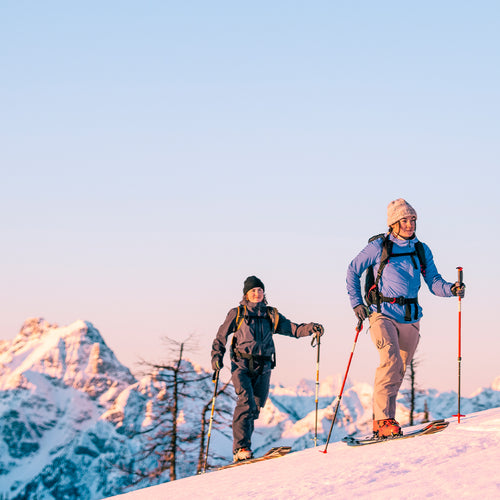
(458, 289)
(318, 330)
(361, 312)
(217, 363)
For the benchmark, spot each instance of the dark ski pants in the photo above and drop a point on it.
(396, 344)
(252, 389)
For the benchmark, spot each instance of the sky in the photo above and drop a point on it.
(155, 154)
(441, 466)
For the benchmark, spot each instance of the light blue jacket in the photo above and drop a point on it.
(400, 277)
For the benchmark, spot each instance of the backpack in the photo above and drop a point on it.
(373, 294)
(242, 315)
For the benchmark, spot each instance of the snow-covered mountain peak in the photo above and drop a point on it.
(75, 355)
(33, 328)
(496, 384)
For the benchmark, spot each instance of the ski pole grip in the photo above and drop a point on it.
(460, 275)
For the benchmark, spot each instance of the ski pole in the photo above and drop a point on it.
(215, 380)
(318, 343)
(460, 281)
(358, 329)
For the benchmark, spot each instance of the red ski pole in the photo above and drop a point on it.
(358, 329)
(460, 281)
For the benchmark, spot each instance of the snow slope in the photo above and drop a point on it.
(460, 462)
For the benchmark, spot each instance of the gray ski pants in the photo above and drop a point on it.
(396, 344)
(252, 389)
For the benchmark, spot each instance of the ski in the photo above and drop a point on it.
(276, 452)
(430, 428)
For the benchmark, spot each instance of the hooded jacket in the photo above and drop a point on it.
(400, 277)
(255, 335)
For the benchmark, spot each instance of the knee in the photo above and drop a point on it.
(391, 358)
(246, 403)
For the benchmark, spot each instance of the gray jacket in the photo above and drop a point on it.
(255, 336)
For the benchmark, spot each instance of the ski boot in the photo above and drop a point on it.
(242, 454)
(386, 427)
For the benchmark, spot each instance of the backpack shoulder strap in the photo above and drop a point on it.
(384, 256)
(240, 316)
(273, 316)
(386, 246)
(419, 248)
(370, 279)
(376, 237)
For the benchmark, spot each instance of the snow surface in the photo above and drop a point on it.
(460, 462)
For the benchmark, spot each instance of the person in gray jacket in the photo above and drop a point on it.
(253, 356)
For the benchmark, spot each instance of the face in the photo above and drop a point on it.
(405, 228)
(255, 295)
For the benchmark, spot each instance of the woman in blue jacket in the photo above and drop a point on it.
(397, 259)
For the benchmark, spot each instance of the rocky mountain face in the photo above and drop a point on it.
(54, 385)
(76, 424)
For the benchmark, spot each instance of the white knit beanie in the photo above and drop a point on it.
(399, 209)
